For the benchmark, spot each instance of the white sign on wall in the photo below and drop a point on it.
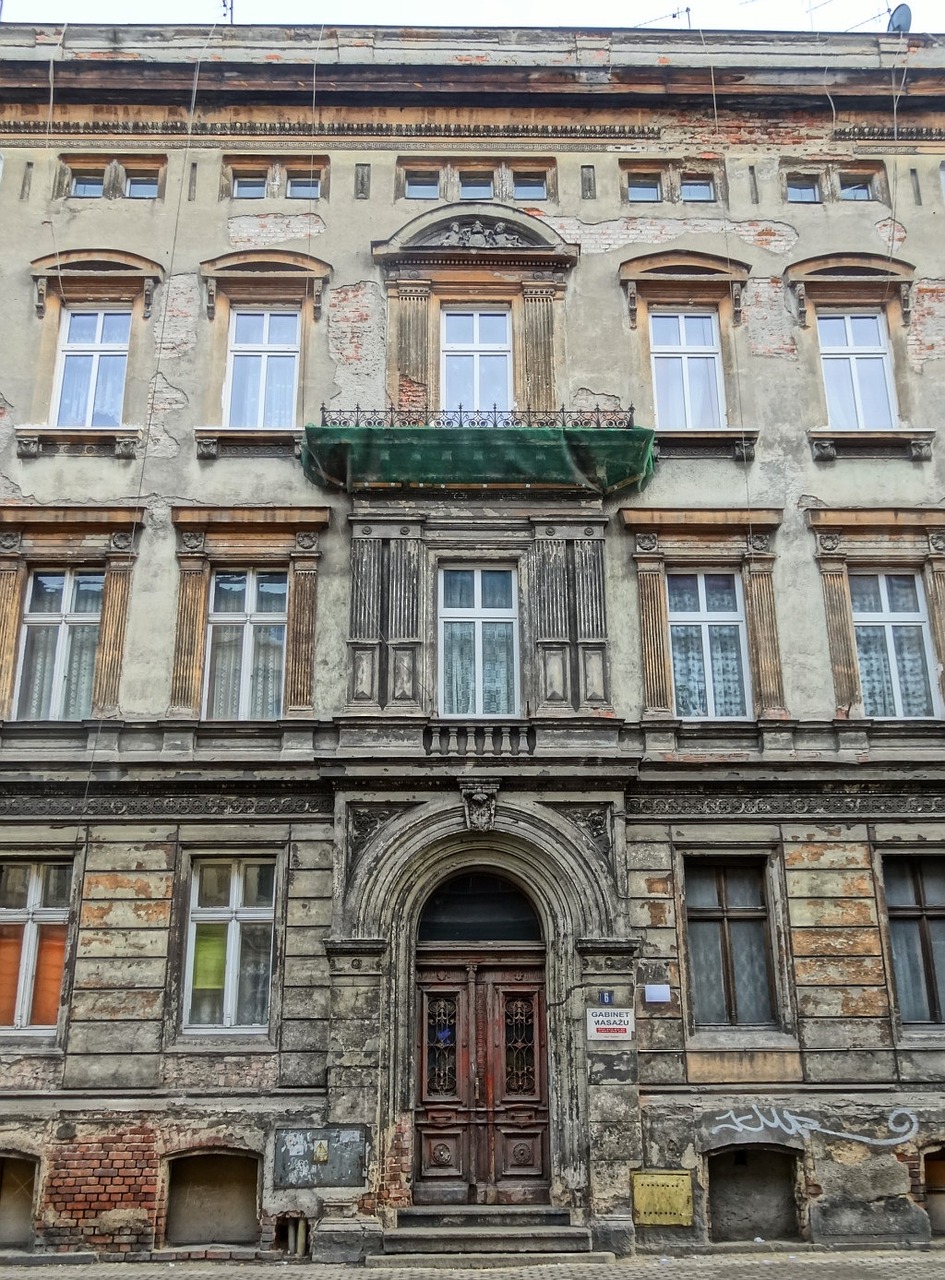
(610, 1023)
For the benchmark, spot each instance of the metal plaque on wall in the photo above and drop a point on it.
(662, 1197)
(330, 1157)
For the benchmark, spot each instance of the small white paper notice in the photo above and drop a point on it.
(656, 993)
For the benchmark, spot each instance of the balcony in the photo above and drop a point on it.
(461, 450)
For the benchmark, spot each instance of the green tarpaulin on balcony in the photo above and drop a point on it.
(594, 460)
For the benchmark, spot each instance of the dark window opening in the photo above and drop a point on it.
(212, 1199)
(477, 907)
(17, 1187)
(752, 1194)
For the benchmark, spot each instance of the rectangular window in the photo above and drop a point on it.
(141, 186)
(304, 186)
(893, 645)
(856, 186)
(422, 184)
(476, 184)
(87, 186)
(246, 645)
(644, 188)
(729, 944)
(803, 188)
(529, 186)
(249, 186)
(477, 360)
(229, 946)
(92, 361)
(915, 899)
(34, 905)
(58, 645)
(263, 369)
(698, 188)
(854, 353)
(707, 642)
(687, 369)
(478, 642)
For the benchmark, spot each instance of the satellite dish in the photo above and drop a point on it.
(900, 20)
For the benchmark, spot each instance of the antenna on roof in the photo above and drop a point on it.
(900, 20)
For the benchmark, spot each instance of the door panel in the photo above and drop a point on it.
(482, 1115)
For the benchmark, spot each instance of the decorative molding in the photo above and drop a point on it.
(134, 804)
(208, 448)
(727, 442)
(365, 820)
(594, 820)
(888, 133)
(122, 540)
(10, 540)
(829, 542)
(743, 449)
(479, 802)
(827, 446)
(808, 805)
(737, 301)
(824, 450)
(476, 233)
(647, 542)
(937, 541)
(193, 540)
(339, 129)
(905, 301)
(759, 542)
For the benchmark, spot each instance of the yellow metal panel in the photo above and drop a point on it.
(662, 1197)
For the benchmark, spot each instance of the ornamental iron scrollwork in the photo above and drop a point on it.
(441, 1047)
(520, 1076)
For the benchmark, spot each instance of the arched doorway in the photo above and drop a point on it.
(482, 1105)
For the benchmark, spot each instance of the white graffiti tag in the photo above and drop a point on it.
(901, 1123)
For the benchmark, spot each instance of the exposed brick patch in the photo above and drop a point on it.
(412, 395)
(398, 1165)
(175, 317)
(621, 233)
(233, 1071)
(259, 231)
(892, 234)
(925, 337)
(357, 343)
(770, 325)
(584, 398)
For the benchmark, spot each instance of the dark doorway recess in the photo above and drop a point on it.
(752, 1194)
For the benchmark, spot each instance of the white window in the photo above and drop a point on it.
(893, 645)
(644, 188)
(58, 645)
(422, 184)
(698, 188)
(856, 186)
(803, 188)
(529, 186)
(87, 186)
(141, 186)
(304, 186)
(92, 362)
(229, 946)
(246, 645)
(263, 369)
(707, 642)
(687, 369)
(477, 360)
(478, 642)
(34, 903)
(249, 186)
(476, 184)
(857, 374)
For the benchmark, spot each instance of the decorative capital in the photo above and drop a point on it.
(306, 540)
(829, 541)
(28, 446)
(193, 539)
(920, 450)
(936, 542)
(208, 447)
(743, 450)
(647, 542)
(121, 540)
(10, 540)
(125, 447)
(479, 800)
(759, 541)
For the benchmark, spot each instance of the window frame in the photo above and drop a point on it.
(477, 614)
(704, 620)
(804, 181)
(934, 981)
(887, 619)
(477, 349)
(852, 354)
(854, 180)
(693, 179)
(67, 619)
(767, 912)
(414, 179)
(235, 915)
(96, 349)
(265, 350)
(654, 179)
(33, 916)
(684, 352)
(470, 177)
(313, 179)
(248, 620)
(537, 176)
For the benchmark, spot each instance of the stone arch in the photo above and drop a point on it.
(431, 228)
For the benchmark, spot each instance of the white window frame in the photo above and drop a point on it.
(706, 180)
(650, 179)
(32, 916)
(313, 180)
(153, 178)
(63, 620)
(244, 179)
(264, 350)
(537, 177)
(478, 615)
(703, 618)
(96, 350)
(804, 182)
(850, 354)
(414, 179)
(477, 349)
(81, 176)
(887, 619)
(248, 619)
(234, 915)
(481, 177)
(684, 352)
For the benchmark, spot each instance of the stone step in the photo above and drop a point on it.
(473, 1239)
(485, 1216)
(481, 1261)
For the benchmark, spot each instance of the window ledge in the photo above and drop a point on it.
(230, 442)
(729, 442)
(739, 1038)
(117, 442)
(828, 446)
(32, 1044)
(216, 1041)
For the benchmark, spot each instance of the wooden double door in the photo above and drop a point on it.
(482, 1113)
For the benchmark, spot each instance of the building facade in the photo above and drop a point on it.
(472, 614)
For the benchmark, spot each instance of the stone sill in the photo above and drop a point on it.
(829, 446)
(224, 442)
(737, 1039)
(215, 1042)
(117, 442)
(730, 442)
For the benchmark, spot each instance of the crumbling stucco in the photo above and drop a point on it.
(260, 231)
(357, 335)
(621, 233)
(769, 323)
(892, 234)
(176, 315)
(925, 337)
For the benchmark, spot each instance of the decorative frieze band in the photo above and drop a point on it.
(807, 805)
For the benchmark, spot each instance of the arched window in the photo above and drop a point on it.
(478, 907)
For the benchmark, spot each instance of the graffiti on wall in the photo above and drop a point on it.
(902, 1124)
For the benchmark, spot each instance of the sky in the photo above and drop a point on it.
(866, 16)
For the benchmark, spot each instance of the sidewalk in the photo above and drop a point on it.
(896, 1265)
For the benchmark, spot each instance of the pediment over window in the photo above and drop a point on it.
(95, 275)
(481, 233)
(256, 276)
(686, 278)
(860, 279)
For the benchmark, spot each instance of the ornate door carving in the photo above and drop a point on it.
(482, 1114)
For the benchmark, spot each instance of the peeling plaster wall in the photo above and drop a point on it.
(621, 233)
(357, 343)
(263, 230)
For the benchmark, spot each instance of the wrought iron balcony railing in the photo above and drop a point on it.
(586, 419)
